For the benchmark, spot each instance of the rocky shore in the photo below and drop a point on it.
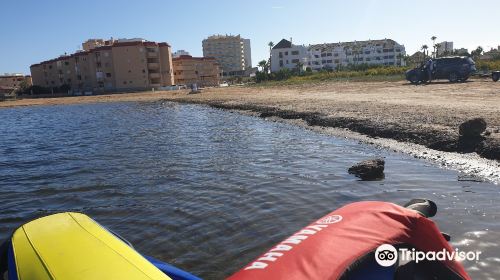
(429, 115)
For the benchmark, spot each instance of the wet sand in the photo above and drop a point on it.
(427, 115)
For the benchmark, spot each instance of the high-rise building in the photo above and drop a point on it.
(444, 48)
(334, 55)
(203, 71)
(233, 53)
(113, 65)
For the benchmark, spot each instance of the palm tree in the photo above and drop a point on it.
(262, 64)
(436, 48)
(424, 49)
(433, 38)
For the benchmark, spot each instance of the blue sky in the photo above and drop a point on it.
(36, 30)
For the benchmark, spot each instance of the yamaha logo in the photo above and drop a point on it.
(332, 219)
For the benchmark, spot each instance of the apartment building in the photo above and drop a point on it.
(233, 53)
(286, 55)
(106, 66)
(335, 55)
(203, 71)
(444, 48)
(14, 80)
(178, 53)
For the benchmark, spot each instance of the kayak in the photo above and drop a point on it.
(346, 244)
(73, 246)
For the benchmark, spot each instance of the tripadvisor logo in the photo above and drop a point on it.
(386, 255)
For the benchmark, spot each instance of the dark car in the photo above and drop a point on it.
(454, 69)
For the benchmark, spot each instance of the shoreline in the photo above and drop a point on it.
(417, 115)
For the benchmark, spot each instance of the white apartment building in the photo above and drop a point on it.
(286, 55)
(335, 55)
(444, 48)
(233, 53)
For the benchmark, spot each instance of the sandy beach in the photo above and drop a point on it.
(428, 115)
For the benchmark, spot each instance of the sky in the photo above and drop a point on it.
(37, 30)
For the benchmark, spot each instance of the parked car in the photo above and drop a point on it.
(455, 69)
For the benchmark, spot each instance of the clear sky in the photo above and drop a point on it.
(36, 30)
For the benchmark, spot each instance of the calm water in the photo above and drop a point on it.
(208, 190)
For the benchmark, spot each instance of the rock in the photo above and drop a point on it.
(489, 148)
(372, 169)
(472, 128)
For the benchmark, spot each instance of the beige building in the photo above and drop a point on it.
(203, 71)
(233, 53)
(13, 81)
(112, 65)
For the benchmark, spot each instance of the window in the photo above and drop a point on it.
(323, 54)
(143, 70)
(66, 63)
(316, 56)
(329, 61)
(79, 77)
(124, 82)
(108, 75)
(99, 64)
(286, 53)
(295, 52)
(295, 61)
(281, 63)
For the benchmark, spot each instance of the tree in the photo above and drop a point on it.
(433, 38)
(299, 66)
(263, 66)
(436, 48)
(477, 53)
(424, 50)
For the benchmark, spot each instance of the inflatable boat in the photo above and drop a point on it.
(345, 244)
(73, 246)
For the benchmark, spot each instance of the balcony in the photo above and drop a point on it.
(154, 75)
(152, 54)
(153, 65)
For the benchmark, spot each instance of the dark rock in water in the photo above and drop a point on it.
(372, 169)
(472, 128)
(469, 144)
(489, 148)
(470, 138)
